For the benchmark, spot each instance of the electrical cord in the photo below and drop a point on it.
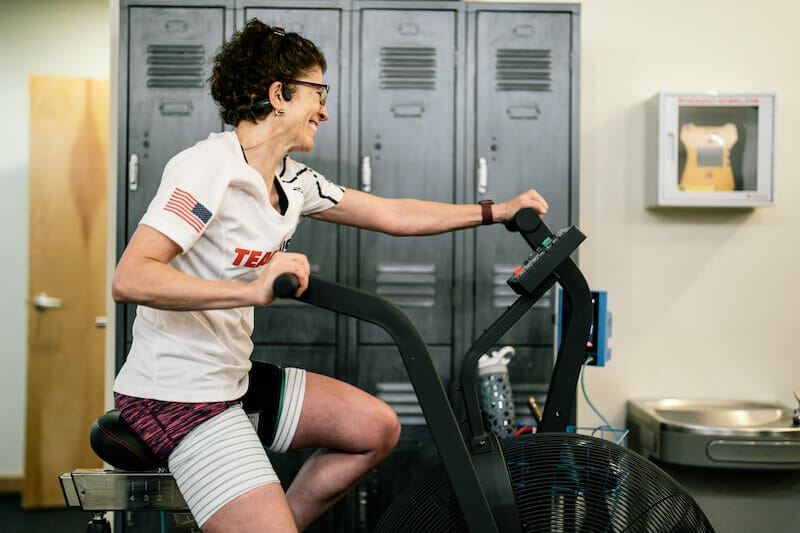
(586, 396)
(528, 429)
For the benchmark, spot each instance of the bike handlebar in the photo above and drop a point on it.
(285, 285)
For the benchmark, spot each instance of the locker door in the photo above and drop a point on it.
(171, 51)
(407, 138)
(522, 131)
(381, 372)
(318, 240)
(170, 54)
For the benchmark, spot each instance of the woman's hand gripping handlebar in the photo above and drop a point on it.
(286, 286)
(280, 263)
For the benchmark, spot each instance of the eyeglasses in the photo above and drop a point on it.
(324, 86)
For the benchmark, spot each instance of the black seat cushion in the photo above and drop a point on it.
(117, 444)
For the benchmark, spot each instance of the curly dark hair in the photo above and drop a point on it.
(251, 61)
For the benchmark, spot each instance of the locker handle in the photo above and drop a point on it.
(133, 173)
(483, 176)
(366, 174)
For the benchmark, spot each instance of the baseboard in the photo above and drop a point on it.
(10, 485)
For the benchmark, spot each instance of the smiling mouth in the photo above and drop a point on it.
(313, 125)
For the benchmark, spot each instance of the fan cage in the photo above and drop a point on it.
(562, 482)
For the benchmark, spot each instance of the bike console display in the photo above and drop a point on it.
(551, 252)
(548, 263)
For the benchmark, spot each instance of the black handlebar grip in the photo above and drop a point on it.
(525, 219)
(285, 285)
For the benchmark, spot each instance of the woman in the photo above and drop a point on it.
(207, 250)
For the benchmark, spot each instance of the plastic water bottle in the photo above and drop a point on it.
(497, 402)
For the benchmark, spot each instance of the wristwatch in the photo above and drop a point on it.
(486, 212)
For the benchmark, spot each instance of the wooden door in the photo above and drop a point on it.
(67, 282)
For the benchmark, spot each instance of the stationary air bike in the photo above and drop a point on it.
(547, 481)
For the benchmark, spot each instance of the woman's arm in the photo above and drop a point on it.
(405, 216)
(144, 277)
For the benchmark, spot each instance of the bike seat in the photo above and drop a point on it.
(117, 444)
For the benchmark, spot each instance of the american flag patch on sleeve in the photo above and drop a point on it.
(188, 209)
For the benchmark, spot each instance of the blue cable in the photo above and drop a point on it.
(586, 396)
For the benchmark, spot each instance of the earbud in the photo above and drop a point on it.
(285, 92)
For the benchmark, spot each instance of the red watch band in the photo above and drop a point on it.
(486, 212)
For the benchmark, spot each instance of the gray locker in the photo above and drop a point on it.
(166, 54)
(169, 105)
(407, 141)
(381, 372)
(522, 98)
(326, 27)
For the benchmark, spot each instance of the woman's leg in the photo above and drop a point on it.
(225, 477)
(353, 430)
(263, 509)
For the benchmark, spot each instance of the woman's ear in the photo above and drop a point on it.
(276, 98)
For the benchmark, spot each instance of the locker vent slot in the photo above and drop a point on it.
(408, 68)
(409, 285)
(503, 295)
(401, 397)
(524, 70)
(175, 66)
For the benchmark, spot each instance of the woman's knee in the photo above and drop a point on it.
(376, 429)
(342, 417)
(387, 429)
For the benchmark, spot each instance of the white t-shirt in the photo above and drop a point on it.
(216, 208)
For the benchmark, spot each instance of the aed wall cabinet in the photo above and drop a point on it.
(714, 150)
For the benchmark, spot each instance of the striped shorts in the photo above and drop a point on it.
(214, 450)
(219, 460)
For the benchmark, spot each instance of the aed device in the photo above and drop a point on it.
(708, 157)
(597, 345)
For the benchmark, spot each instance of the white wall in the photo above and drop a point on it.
(702, 300)
(36, 37)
